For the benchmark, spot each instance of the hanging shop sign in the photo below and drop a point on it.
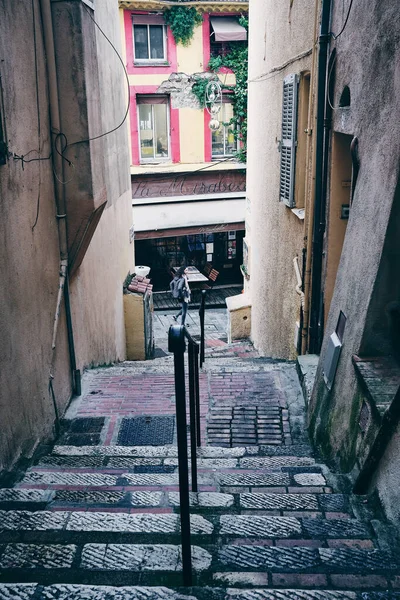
(188, 184)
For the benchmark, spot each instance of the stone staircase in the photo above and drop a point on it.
(269, 522)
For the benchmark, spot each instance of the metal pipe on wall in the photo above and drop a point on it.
(320, 170)
(309, 195)
(59, 193)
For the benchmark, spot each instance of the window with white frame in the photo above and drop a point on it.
(149, 39)
(224, 142)
(288, 140)
(153, 127)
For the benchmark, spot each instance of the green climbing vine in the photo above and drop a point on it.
(235, 59)
(182, 21)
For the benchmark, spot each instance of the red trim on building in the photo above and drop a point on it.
(175, 135)
(173, 124)
(206, 40)
(148, 69)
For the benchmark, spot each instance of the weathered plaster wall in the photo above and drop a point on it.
(368, 59)
(275, 234)
(29, 259)
(96, 292)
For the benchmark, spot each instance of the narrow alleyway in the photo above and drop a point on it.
(98, 518)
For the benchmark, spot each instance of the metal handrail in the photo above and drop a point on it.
(201, 314)
(177, 337)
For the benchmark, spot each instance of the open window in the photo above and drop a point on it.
(226, 32)
(149, 39)
(153, 127)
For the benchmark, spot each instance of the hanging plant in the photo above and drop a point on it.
(235, 59)
(182, 21)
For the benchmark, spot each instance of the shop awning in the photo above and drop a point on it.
(227, 29)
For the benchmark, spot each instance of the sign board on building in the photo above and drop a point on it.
(188, 184)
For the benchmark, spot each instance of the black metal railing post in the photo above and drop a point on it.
(176, 344)
(192, 412)
(197, 394)
(201, 314)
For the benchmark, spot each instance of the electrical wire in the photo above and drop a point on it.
(335, 37)
(328, 96)
(275, 70)
(127, 80)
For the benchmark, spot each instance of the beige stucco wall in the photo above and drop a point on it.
(96, 291)
(29, 261)
(274, 233)
(191, 135)
(369, 65)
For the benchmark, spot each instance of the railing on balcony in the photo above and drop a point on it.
(178, 335)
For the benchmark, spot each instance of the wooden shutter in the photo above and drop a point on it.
(288, 142)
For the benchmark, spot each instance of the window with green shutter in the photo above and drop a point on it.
(288, 140)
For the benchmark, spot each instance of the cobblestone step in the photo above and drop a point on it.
(86, 592)
(155, 564)
(295, 450)
(287, 477)
(330, 505)
(70, 526)
(73, 526)
(33, 591)
(171, 464)
(113, 564)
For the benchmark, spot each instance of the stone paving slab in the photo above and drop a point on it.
(32, 591)
(120, 462)
(17, 591)
(141, 523)
(279, 501)
(301, 558)
(162, 557)
(161, 479)
(288, 595)
(204, 499)
(309, 479)
(254, 479)
(334, 502)
(261, 527)
(208, 463)
(290, 450)
(89, 497)
(269, 558)
(87, 592)
(23, 520)
(147, 451)
(9, 495)
(36, 556)
(336, 528)
(369, 560)
(71, 461)
(70, 479)
(136, 523)
(145, 498)
(275, 462)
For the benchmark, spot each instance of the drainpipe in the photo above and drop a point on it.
(59, 193)
(316, 326)
(310, 196)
